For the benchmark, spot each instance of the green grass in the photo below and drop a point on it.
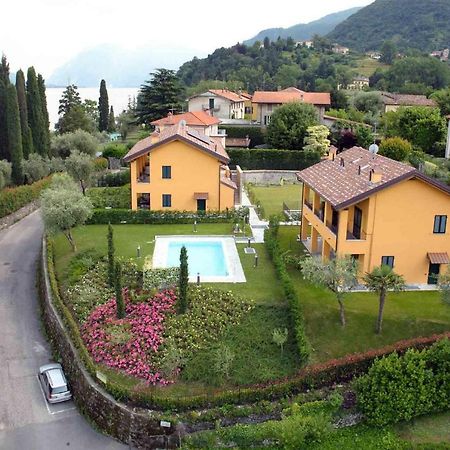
(368, 66)
(272, 197)
(406, 315)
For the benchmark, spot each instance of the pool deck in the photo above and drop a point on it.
(233, 262)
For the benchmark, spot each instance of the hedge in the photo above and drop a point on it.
(12, 199)
(290, 293)
(256, 134)
(145, 216)
(114, 179)
(314, 376)
(269, 159)
(112, 197)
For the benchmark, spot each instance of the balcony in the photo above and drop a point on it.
(206, 107)
(144, 175)
(317, 222)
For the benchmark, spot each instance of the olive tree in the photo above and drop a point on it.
(339, 275)
(80, 167)
(64, 207)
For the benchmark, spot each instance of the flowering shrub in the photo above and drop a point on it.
(159, 278)
(129, 344)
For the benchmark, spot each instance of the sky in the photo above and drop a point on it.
(47, 33)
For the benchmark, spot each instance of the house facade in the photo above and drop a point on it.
(392, 102)
(220, 103)
(266, 102)
(181, 169)
(378, 211)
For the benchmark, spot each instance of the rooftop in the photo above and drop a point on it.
(406, 100)
(229, 95)
(193, 118)
(291, 95)
(349, 178)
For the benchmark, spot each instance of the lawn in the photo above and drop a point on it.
(257, 357)
(407, 314)
(368, 66)
(272, 197)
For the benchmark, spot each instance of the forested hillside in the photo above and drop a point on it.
(418, 24)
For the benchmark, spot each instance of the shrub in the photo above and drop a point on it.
(5, 173)
(35, 168)
(81, 263)
(100, 164)
(115, 179)
(395, 148)
(159, 278)
(114, 150)
(270, 159)
(256, 134)
(64, 144)
(111, 197)
(12, 199)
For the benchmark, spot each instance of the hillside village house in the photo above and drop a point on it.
(180, 168)
(392, 102)
(265, 102)
(220, 103)
(357, 84)
(378, 211)
(340, 49)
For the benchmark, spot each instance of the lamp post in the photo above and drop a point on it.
(256, 260)
(248, 243)
(195, 226)
(138, 251)
(198, 278)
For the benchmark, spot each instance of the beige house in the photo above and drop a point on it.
(220, 103)
(358, 84)
(198, 120)
(392, 102)
(265, 102)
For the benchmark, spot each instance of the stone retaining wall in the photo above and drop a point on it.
(11, 219)
(270, 177)
(136, 427)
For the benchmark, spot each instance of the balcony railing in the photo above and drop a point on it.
(206, 107)
(352, 237)
(308, 204)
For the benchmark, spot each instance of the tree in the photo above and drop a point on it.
(63, 145)
(69, 99)
(111, 121)
(5, 173)
(74, 119)
(103, 107)
(111, 266)
(288, 125)
(35, 168)
(124, 122)
(395, 148)
(381, 280)
(442, 98)
(4, 81)
(364, 136)
(279, 336)
(316, 139)
(184, 279)
(14, 134)
(120, 304)
(80, 167)
(339, 275)
(287, 75)
(159, 96)
(368, 102)
(388, 52)
(43, 98)
(27, 138)
(91, 109)
(35, 117)
(64, 207)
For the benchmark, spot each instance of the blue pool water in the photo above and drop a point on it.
(204, 257)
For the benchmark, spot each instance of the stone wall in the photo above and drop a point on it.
(269, 177)
(136, 427)
(7, 221)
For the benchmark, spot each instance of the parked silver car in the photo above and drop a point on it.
(54, 383)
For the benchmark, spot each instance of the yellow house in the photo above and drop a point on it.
(379, 211)
(180, 169)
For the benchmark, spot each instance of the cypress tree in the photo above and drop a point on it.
(14, 134)
(43, 98)
(184, 279)
(120, 304)
(103, 107)
(35, 118)
(4, 81)
(111, 267)
(111, 121)
(27, 139)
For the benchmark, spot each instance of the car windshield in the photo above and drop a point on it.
(59, 390)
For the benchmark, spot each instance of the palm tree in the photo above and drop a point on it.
(381, 280)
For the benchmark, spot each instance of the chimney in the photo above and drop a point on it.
(375, 176)
(342, 162)
(359, 170)
(154, 138)
(332, 153)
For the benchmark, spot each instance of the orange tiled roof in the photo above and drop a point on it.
(193, 118)
(346, 180)
(292, 95)
(210, 145)
(406, 100)
(229, 95)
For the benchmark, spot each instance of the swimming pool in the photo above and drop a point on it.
(214, 258)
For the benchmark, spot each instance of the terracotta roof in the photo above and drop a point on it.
(346, 180)
(292, 95)
(210, 145)
(237, 142)
(439, 258)
(229, 95)
(193, 118)
(406, 100)
(228, 182)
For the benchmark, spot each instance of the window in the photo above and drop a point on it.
(211, 103)
(440, 224)
(387, 261)
(167, 172)
(166, 200)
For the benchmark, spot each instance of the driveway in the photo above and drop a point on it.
(26, 421)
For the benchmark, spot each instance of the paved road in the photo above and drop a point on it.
(26, 421)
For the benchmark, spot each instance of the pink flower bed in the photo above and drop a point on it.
(142, 331)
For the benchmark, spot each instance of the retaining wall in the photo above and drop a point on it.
(270, 177)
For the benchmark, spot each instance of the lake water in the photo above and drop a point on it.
(118, 99)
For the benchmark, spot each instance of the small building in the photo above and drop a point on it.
(378, 211)
(307, 44)
(392, 102)
(358, 84)
(180, 168)
(265, 102)
(220, 103)
(443, 55)
(374, 55)
(340, 49)
(198, 120)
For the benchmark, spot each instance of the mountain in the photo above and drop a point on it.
(304, 31)
(118, 66)
(416, 24)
